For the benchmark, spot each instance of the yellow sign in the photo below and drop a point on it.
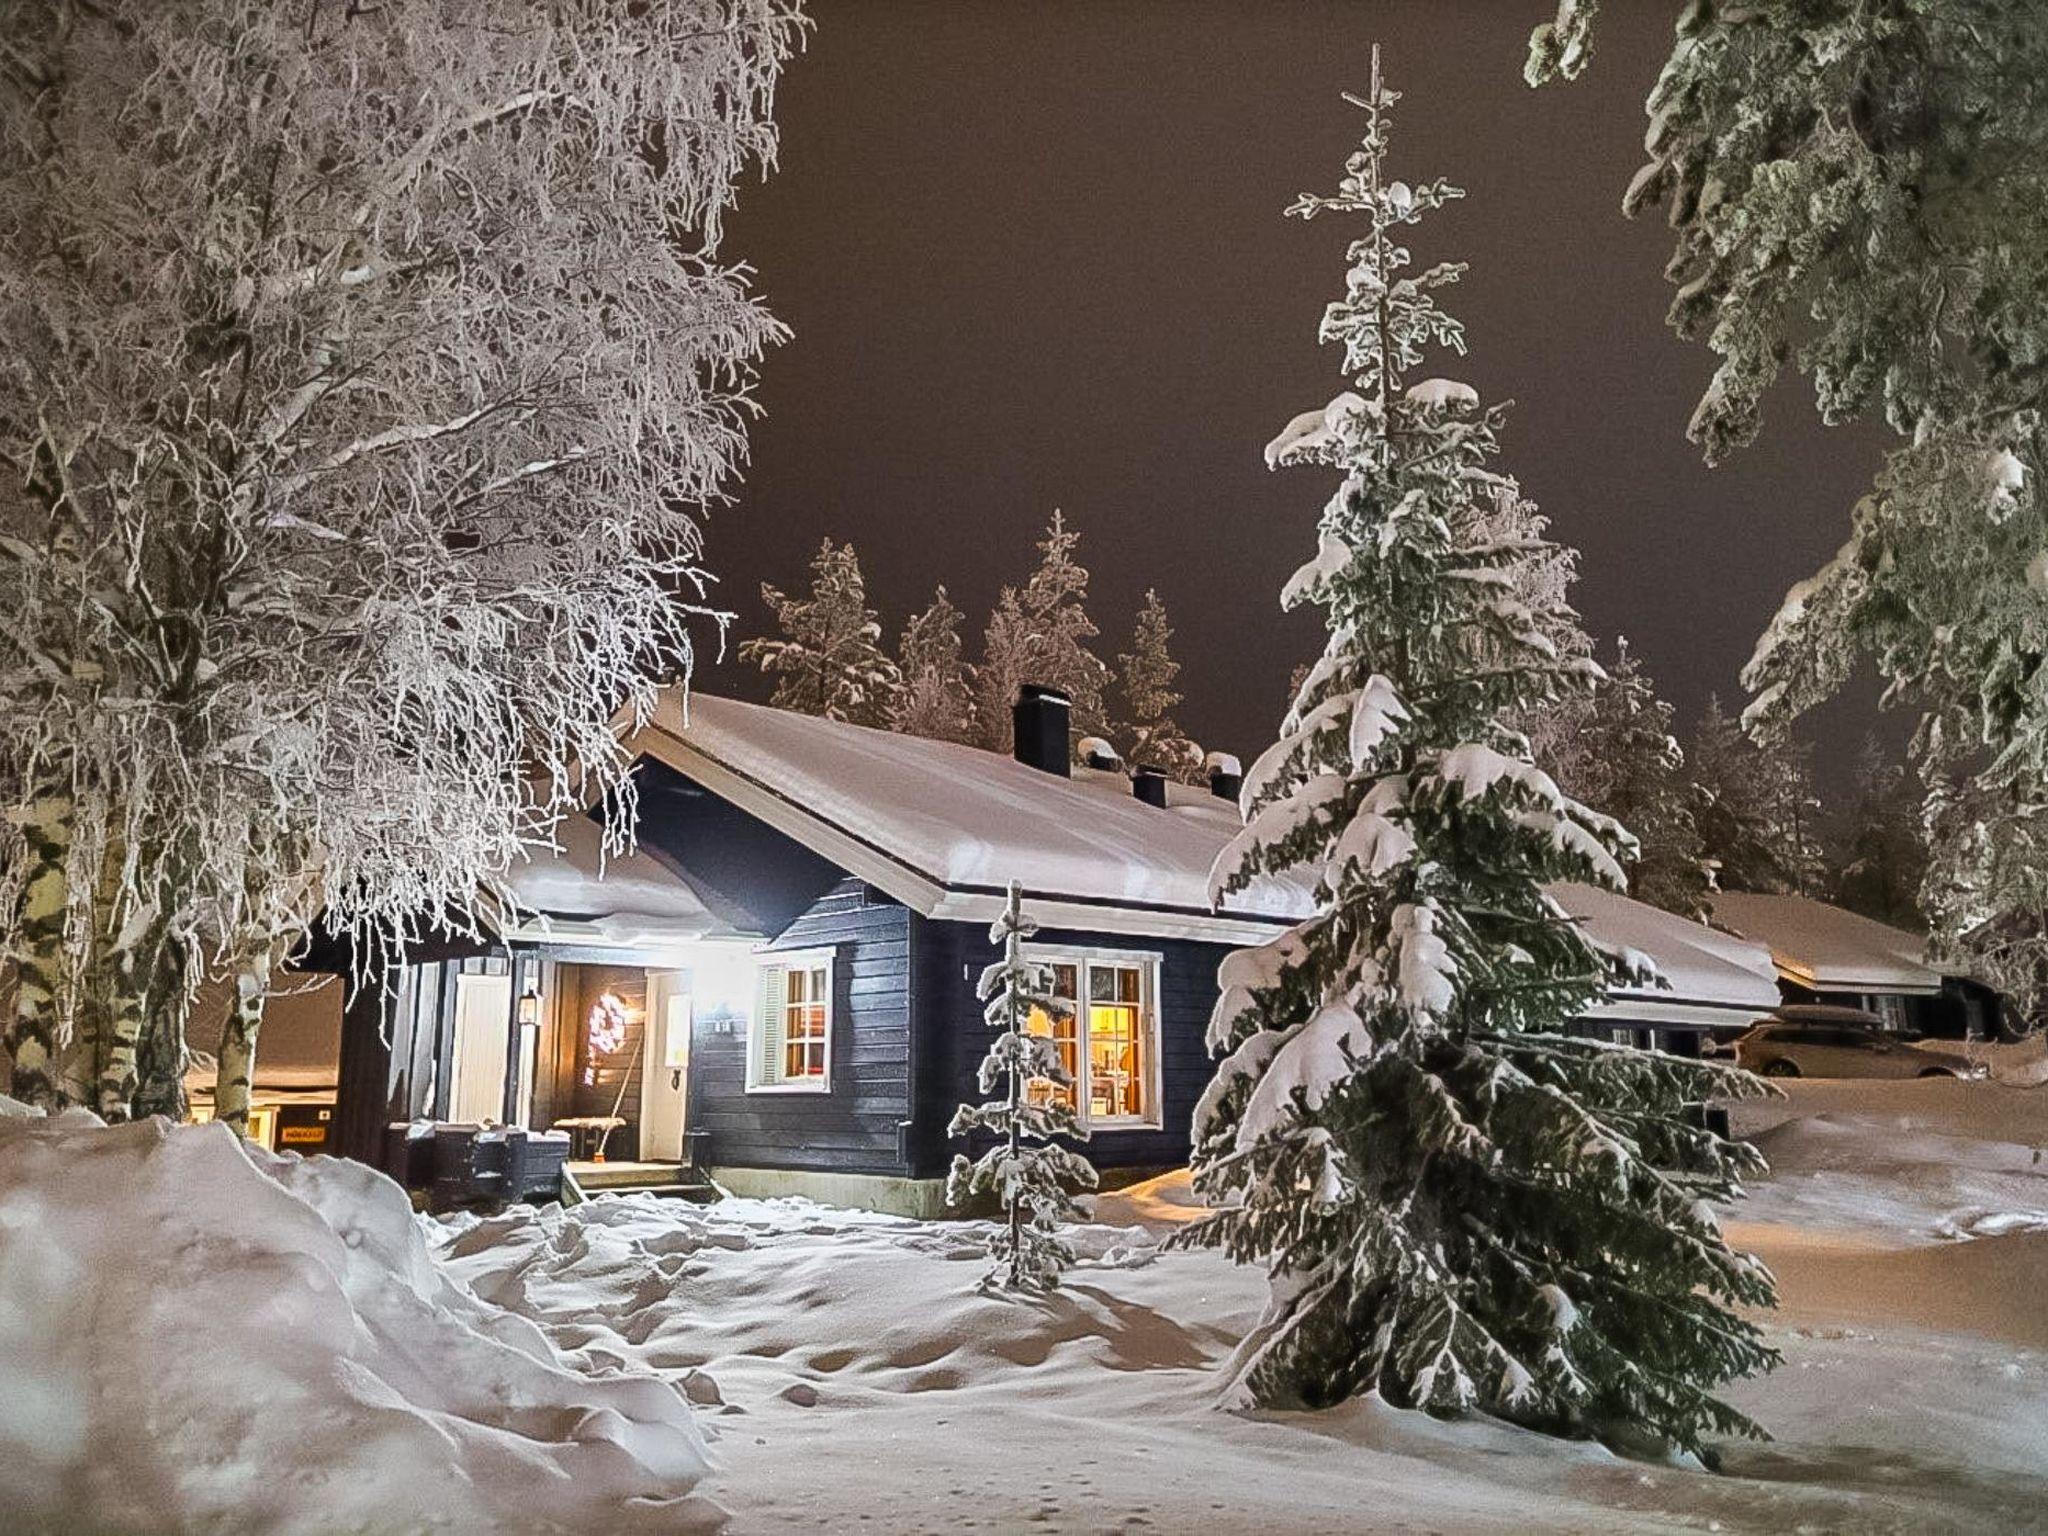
(301, 1133)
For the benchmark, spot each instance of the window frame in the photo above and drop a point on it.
(786, 961)
(1150, 965)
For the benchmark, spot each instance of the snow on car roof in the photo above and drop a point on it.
(944, 827)
(1826, 948)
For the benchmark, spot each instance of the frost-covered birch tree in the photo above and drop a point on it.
(1859, 190)
(360, 369)
(1461, 1205)
(1030, 1176)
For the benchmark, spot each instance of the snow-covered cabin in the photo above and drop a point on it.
(791, 956)
(1824, 954)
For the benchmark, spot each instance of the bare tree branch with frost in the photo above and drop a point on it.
(360, 371)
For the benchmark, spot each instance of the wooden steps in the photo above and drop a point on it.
(670, 1181)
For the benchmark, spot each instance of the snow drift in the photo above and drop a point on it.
(196, 1334)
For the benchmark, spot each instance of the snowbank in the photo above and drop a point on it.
(198, 1335)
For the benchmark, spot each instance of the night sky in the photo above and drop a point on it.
(1033, 256)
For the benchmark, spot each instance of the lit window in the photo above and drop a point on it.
(1109, 1045)
(789, 1045)
(803, 1025)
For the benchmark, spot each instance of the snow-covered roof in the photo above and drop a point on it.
(1714, 978)
(579, 894)
(944, 828)
(1828, 949)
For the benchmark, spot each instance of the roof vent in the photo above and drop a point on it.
(1226, 776)
(1149, 785)
(1097, 753)
(1039, 728)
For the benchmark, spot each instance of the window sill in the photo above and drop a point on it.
(814, 1088)
(1123, 1125)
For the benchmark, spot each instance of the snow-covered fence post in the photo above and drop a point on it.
(1030, 1174)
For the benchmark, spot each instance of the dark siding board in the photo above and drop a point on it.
(854, 1127)
(951, 1040)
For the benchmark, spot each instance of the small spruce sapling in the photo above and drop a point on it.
(1031, 1175)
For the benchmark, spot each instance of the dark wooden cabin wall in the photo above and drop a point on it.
(856, 1126)
(952, 1040)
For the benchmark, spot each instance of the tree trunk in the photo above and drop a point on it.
(124, 966)
(236, 1074)
(161, 1056)
(35, 1033)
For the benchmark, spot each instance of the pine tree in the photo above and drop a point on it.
(1461, 1206)
(829, 659)
(1755, 808)
(1029, 1173)
(1039, 634)
(1148, 735)
(1627, 765)
(1986, 890)
(935, 700)
(1861, 191)
(1880, 854)
(1555, 724)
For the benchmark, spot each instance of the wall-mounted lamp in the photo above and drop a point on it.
(529, 1006)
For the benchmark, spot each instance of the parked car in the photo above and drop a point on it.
(1815, 1041)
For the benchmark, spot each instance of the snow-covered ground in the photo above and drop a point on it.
(861, 1382)
(846, 1374)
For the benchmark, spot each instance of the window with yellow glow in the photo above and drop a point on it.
(803, 1025)
(1105, 1025)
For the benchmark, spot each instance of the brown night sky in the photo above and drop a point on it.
(1033, 256)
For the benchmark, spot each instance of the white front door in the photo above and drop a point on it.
(665, 1065)
(483, 1021)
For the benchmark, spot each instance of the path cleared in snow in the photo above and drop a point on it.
(852, 1377)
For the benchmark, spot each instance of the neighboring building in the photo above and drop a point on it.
(291, 1101)
(792, 953)
(1826, 955)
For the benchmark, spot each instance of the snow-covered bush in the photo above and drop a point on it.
(361, 369)
(1463, 1206)
(1030, 1175)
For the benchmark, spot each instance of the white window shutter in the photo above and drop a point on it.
(765, 1053)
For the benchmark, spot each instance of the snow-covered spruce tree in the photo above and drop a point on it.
(1148, 735)
(828, 659)
(1879, 856)
(1628, 766)
(1755, 808)
(1860, 189)
(1462, 1206)
(1039, 633)
(360, 369)
(1029, 1175)
(936, 699)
